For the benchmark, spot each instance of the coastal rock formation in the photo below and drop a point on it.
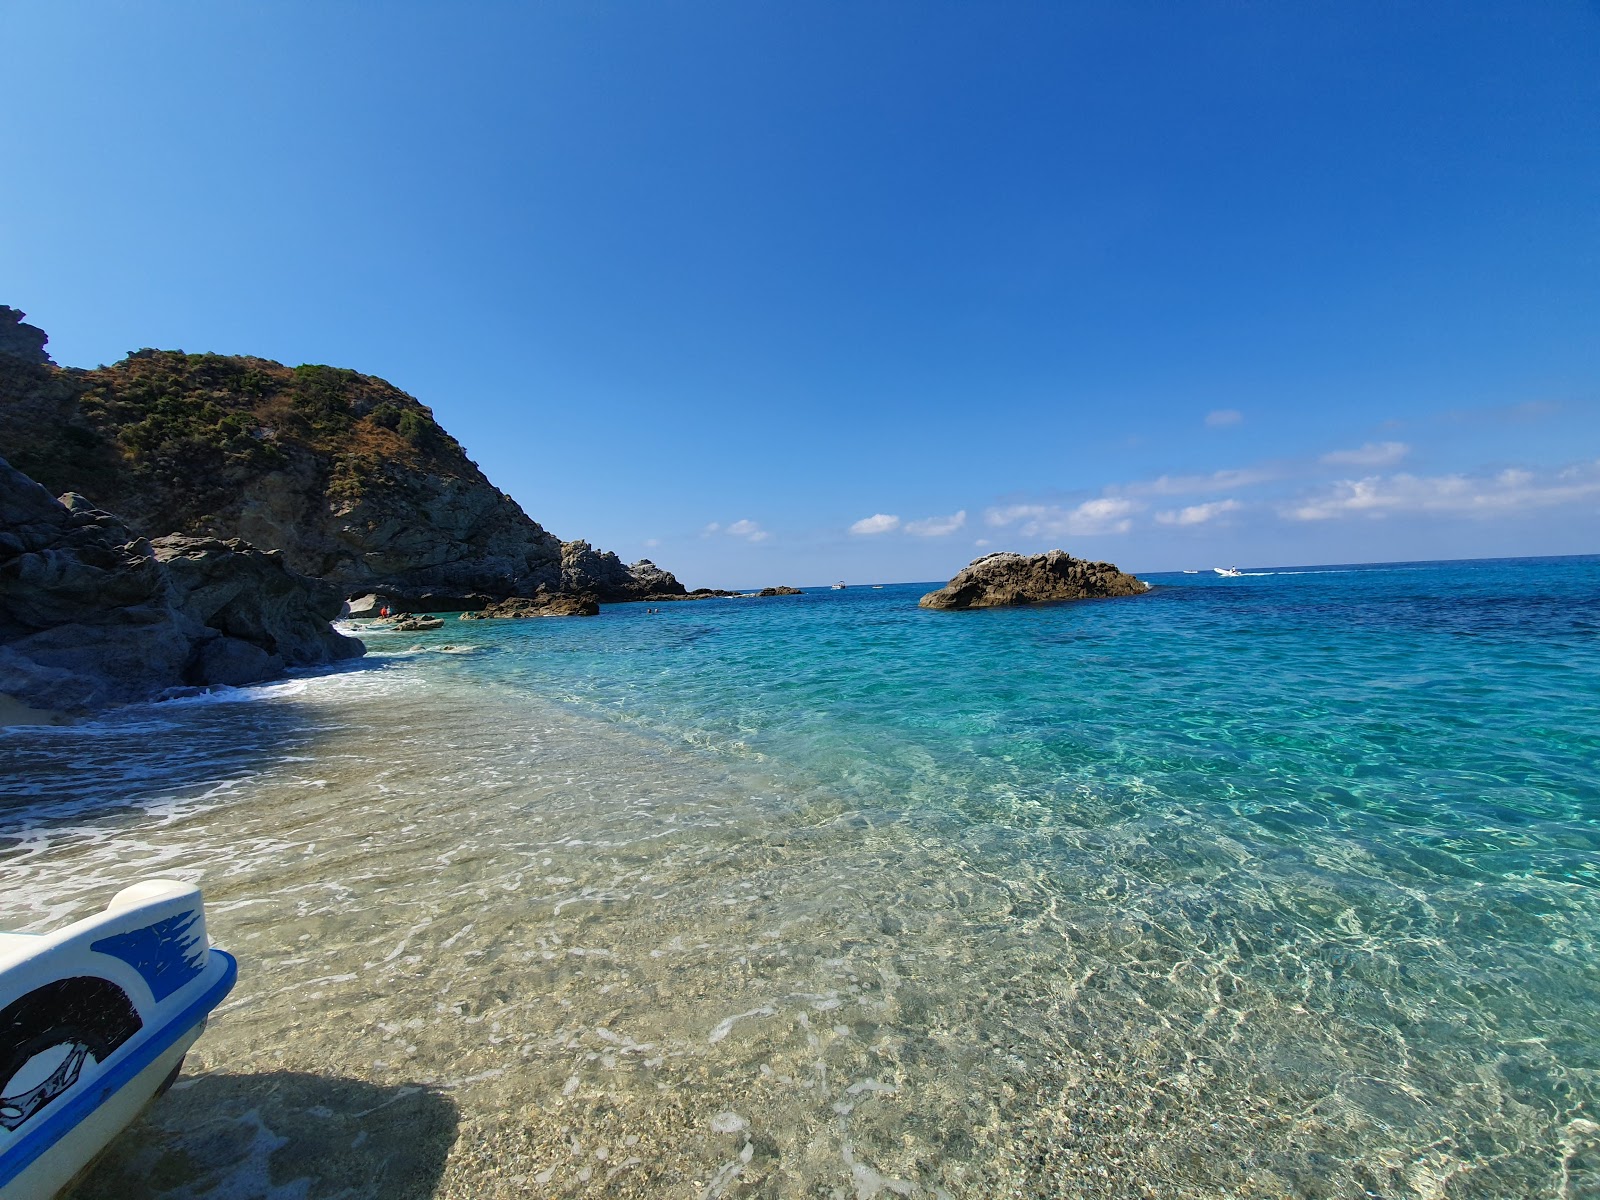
(600, 573)
(25, 342)
(416, 624)
(697, 594)
(779, 591)
(415, 600)
(92, 615)
(351, 478)
(537, 606)
(249, 595)
(996, 580)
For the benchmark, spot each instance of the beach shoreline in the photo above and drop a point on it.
(545, 888)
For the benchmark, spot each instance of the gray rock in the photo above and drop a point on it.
(997, 580)
(17, 340)
(600, 573)
(233, 662)
(547, 605)
(242, 592)
(418, 624)
(91, 616)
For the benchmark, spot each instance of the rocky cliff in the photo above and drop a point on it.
(997, 580)
(20, 340)
(351, 478)
(93, 615)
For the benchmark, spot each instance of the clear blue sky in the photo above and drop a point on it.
(1171, 284)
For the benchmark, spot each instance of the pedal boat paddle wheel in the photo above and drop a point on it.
(94, 1022)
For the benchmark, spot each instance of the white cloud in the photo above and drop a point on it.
(1108, 514)
(1373, 454)
(748, 530)
(876, 523)
(981, 542)
(937, 526)
(652, 543)
(710, 529)
(1191, 485)
(1504, 494)
(1217, 418)
(1198, 514)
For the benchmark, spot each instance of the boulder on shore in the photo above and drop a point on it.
(997, 580)
(92, 615)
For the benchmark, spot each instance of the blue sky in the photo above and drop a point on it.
(787, 293)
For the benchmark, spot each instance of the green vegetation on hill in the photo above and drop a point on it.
(169, 438)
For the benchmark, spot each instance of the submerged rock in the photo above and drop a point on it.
(997, 580)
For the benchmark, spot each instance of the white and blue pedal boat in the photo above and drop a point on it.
(94, 1022)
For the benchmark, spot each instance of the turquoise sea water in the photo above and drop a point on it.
(1283, 885)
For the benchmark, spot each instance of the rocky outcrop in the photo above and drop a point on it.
(996, 580)
(779, 591)
(248, 595)
(418, 624)
(25, 342)
(351, 478)
(93, 615)
(416, 600)
(600, 573)
(537, 606)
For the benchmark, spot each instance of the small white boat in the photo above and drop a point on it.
(838, 587)
(1230, 572)
(94, 1022)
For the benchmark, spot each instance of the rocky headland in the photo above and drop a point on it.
(998, 580)
(280, 491)
(348, 476)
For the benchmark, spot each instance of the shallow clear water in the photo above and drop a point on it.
(1286, 885)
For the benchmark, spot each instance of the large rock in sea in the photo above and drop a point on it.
(92, 615)
(515, 607)
(349, 476)
(996, 580)
(586, 571)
